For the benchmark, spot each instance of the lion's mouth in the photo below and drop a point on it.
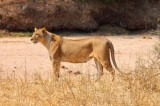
(34, 42)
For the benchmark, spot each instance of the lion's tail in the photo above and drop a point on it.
(113, 57)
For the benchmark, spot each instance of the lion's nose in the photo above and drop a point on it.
(31, 39)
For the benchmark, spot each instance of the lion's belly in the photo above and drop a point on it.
(76, 57)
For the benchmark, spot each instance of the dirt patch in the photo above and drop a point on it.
(19, 57)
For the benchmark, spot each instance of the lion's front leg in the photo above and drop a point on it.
(56, 70)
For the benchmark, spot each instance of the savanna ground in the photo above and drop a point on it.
(25, 71)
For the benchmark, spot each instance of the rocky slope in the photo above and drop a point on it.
(85, 15)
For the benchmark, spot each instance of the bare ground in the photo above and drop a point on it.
(19, 57)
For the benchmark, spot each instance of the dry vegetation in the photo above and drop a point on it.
(141, 89)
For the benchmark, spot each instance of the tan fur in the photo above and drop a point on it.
(76, 51)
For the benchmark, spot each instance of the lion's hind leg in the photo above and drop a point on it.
(108, 66)
(99, 69)
(104, 60)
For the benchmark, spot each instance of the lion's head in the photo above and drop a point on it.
(38, 35)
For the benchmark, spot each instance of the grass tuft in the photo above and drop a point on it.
(5, 33)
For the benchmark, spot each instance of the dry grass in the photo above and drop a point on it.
(142, 88)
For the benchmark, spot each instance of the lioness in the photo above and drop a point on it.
(77, 51)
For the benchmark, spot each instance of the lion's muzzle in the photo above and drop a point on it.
(33, 40)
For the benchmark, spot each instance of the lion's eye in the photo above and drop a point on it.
(36, 36)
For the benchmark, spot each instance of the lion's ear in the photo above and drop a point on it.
(43, 30)
(35, 29)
